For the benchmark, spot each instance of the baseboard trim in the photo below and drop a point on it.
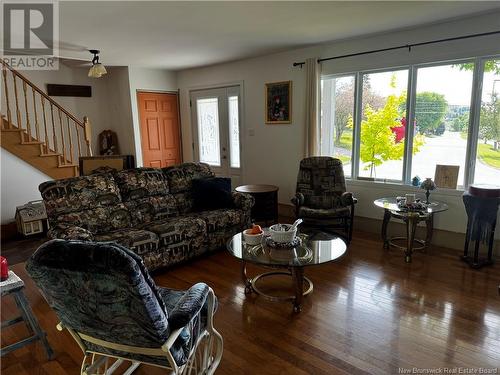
(442, 238)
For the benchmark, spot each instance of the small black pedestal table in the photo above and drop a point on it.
(266, 202)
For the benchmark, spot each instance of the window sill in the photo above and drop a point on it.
(400, 188)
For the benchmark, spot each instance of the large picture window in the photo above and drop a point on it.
(393, 125)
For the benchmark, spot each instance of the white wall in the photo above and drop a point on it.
(119, 109)
(144, 79)
(272, 155)
(94, 107)
(19, 184)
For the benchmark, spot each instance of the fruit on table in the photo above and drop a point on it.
(256, 229)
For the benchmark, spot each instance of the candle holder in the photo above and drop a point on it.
(428, 185)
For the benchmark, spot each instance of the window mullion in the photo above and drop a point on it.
(410, 120)
(474, 118)
(356, 139)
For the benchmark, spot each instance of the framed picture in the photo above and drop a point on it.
(446, 176)
(279, 102)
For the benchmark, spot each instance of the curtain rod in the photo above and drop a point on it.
(409, 46)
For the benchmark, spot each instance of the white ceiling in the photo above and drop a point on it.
(178, 35)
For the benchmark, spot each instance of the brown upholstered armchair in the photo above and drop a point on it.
(321, 198)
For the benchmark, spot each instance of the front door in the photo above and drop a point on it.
(160, 131)
(216, 115)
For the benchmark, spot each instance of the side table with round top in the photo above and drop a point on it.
(411, 219)
(314, 249)
(266, 201)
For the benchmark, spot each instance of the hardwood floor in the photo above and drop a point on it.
(369, 313)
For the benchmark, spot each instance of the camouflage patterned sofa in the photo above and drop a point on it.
(148, 210)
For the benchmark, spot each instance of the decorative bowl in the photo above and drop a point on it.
(280, 233)
(283, 245)
(252, 239)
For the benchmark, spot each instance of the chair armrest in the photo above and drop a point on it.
(347, 199)
(188, 306)
(67, 232)
(298, 200)
(243, 201)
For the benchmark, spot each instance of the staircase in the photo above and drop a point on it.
(38, 130)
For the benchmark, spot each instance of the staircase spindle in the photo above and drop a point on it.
(18, 112)
(45, 127)
(78, 141)
(54, 135)
(71, 157)
(62, 139)
(28, 125)
(9, 115)
(88, 134)
(37, 127)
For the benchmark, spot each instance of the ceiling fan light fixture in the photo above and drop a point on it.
(97, 70)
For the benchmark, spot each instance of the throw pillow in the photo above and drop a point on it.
(212, 193)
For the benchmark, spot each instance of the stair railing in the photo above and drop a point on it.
(43, 120)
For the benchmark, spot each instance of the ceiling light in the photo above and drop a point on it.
(97, 69)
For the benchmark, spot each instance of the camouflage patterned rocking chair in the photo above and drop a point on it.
(107, 301)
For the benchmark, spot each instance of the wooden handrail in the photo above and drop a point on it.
(78, 122)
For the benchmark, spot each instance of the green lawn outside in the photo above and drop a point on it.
(488, 155)
(345, 143)
(346, 140)
(343, 158)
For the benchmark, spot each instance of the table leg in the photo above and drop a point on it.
(298, 282)
(32, 322)
(467, 239)
(491, 242)
(244, 278)
(411, 226)
(476, 252)
(385, 223)
(430, 228)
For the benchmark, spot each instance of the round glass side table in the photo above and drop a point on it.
(314, 249)
(411, 219)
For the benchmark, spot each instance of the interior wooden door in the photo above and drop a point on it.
(160, 130)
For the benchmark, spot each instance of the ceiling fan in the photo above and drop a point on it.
(96, 69)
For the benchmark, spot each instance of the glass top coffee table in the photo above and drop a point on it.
(315, 248)
(411, 219)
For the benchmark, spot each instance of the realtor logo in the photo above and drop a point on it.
(30, 32)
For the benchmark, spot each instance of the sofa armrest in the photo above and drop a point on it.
(347, 199)
(67, 232)
(298, 200)
(188, 306)
(243, 201)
